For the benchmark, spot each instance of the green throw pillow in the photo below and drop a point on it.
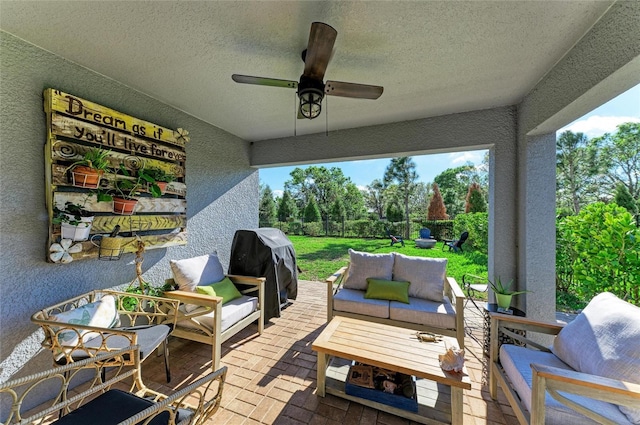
(225, 289)
(392, 290)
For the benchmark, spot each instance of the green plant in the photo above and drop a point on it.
(143, 288)
(71, 214)
(96, 158)
(500, 288)
(160, 175)
(129, 187)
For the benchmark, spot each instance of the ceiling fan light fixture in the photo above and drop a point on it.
(310, 102)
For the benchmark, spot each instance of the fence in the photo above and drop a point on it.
(440, 229)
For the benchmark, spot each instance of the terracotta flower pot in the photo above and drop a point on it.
(162, 186)
(86, 177)
(124, 206)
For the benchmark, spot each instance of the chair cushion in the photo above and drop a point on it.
(232, 313)
(387, 290)
(113, 407)
(424, 312)
(363, 265)
(516, 362)
(425, 274)
(202, 270)
(604, 340)
(149, 338)
(101, 313)
(225, 289)
(353, 301)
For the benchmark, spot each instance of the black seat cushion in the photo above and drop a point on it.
(149, 338)
(111, 408)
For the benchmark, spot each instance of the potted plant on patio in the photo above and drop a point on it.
(88, 171)
(128, 188)
(503, 293)
(161, 177)
(75, 221)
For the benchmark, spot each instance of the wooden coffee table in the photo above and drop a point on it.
(396, 349)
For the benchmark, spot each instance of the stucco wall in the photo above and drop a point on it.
(222, 196)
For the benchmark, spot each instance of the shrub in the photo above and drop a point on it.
(477, 224)
(313, 229)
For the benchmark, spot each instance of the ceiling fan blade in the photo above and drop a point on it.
(321, 40)
(261, 81)
(360, 91)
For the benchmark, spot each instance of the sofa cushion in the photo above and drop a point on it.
(604, 340)
(101, 313)
(390, 290)
(353, 301)
(191, 272)
(425, 274)
(232, 313)
(363, 265)
(224, 289)
(516, 362)
(424, 312)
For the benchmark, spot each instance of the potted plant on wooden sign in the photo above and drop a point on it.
(74, 220)
(161, 177)
(503, 294)
(126, 190)
(88, 171)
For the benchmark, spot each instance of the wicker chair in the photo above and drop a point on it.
(121, 398)
(110, 320)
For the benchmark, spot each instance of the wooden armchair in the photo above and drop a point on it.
(204, 318)
(120, 398)
(103, 321)
(550, 375)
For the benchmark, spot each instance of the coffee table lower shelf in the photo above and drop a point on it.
(434, 400)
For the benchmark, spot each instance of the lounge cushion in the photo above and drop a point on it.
(191, 272)
(390, 290)
(353, 301)
(232, 313)
(113, 407)
(101, 313)
(604, 340)
(425, 274)
(224, 289)
(424, 312)
(364, 265)
(516, 362)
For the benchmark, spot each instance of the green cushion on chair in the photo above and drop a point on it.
(224, 289)
(392, 290)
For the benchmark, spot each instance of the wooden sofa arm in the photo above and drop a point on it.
(337, 277)
(186, 297)
(554, 380)
(457, 297)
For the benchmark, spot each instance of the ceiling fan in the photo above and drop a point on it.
(311, 88)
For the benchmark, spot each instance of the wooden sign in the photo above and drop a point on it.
(138, 157)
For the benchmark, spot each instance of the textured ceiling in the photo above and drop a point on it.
(432, 57)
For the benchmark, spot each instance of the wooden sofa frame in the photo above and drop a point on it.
(550, 379)
(201, 397)
(451, 290)
(247, 286)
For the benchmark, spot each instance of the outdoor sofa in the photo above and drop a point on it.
(400, 290)
(589, 375)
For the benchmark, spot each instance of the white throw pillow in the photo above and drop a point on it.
(425, 274)
(101, 314)
(604, 340)
(202, 270)
(363, 265)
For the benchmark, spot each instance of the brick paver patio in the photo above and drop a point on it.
(272, 377)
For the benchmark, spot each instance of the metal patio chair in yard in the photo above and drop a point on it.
(394, 239)
(456, 244)
(83, 396)
(473, 285)
(102, 321)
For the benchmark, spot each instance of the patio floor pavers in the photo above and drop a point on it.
(272, 377)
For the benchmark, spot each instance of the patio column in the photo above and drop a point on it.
(536, 225)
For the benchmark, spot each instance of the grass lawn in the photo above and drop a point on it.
(320, 257)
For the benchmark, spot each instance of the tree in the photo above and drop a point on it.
(453, 184)
(576, 172)
(311, 211)
(324, 184)
(375, 197)
(475, 199)
(354, 204)
(624, 199)
(267, 209)
(420, 199)
(394, 212)
(620, 157)
(437, 209)
(402, 171)
(338, 212)
(286, 207)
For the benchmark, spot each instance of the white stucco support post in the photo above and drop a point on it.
(536, 226)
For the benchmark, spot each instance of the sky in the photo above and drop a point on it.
(604, 119)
